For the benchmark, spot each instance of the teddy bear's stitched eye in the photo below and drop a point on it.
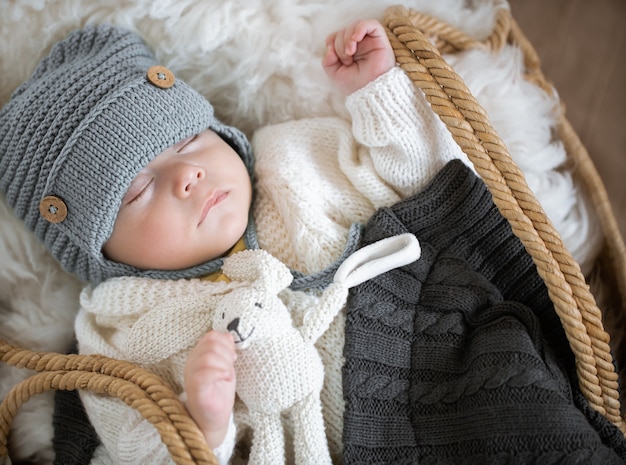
(258, 304)
(223, 315)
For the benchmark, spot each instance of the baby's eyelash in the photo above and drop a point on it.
(141, 193)
(187, 143)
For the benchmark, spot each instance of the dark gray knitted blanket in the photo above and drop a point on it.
(459, 358)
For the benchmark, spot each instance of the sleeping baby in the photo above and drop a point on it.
(126, 175)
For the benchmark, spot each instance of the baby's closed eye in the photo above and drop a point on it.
(137, 188)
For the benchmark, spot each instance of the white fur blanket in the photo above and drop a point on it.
(258, 62)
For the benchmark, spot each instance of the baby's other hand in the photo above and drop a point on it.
(357, 55)
(210, 384)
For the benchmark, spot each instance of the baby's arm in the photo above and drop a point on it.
(357, 55)
(403, 143)
(210, 385)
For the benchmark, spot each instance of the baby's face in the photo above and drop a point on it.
(189, 205)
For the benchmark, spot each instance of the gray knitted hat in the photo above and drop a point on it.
(97, 109)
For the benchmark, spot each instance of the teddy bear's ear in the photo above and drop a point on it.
(377, 258)
(258, 266)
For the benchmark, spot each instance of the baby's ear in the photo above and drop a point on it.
(259, 268)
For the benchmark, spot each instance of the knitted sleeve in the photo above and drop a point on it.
(127, 438)
(403, 142)
(122, 317)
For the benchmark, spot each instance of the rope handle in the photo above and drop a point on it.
(468, 123)
(137, 387)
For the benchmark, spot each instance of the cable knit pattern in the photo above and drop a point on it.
(459, 358)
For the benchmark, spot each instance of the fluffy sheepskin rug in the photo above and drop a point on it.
(258, 62)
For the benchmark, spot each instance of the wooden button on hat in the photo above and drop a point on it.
(53, 209)
(161, 77)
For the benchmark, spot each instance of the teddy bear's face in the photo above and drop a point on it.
(252, 315)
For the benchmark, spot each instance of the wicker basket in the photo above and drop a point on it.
(574, 301)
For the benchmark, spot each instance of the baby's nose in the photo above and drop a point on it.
(186, 177)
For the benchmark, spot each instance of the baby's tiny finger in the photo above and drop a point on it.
(341, 50)
(330, 57)
(351, 39)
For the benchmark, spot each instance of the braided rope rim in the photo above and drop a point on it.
(137, 387)
(468, 123)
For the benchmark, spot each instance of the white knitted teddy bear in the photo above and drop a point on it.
(278, 367)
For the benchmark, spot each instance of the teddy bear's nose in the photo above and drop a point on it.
(232, 326)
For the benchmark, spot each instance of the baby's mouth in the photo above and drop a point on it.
(213, 200)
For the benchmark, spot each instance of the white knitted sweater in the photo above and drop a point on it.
(314, 179)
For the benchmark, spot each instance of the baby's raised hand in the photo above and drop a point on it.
(210, 384)
(357, 55)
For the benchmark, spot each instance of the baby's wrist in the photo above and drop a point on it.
(212, 428)
(215, 437)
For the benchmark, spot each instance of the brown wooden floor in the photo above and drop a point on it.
(582, 46)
